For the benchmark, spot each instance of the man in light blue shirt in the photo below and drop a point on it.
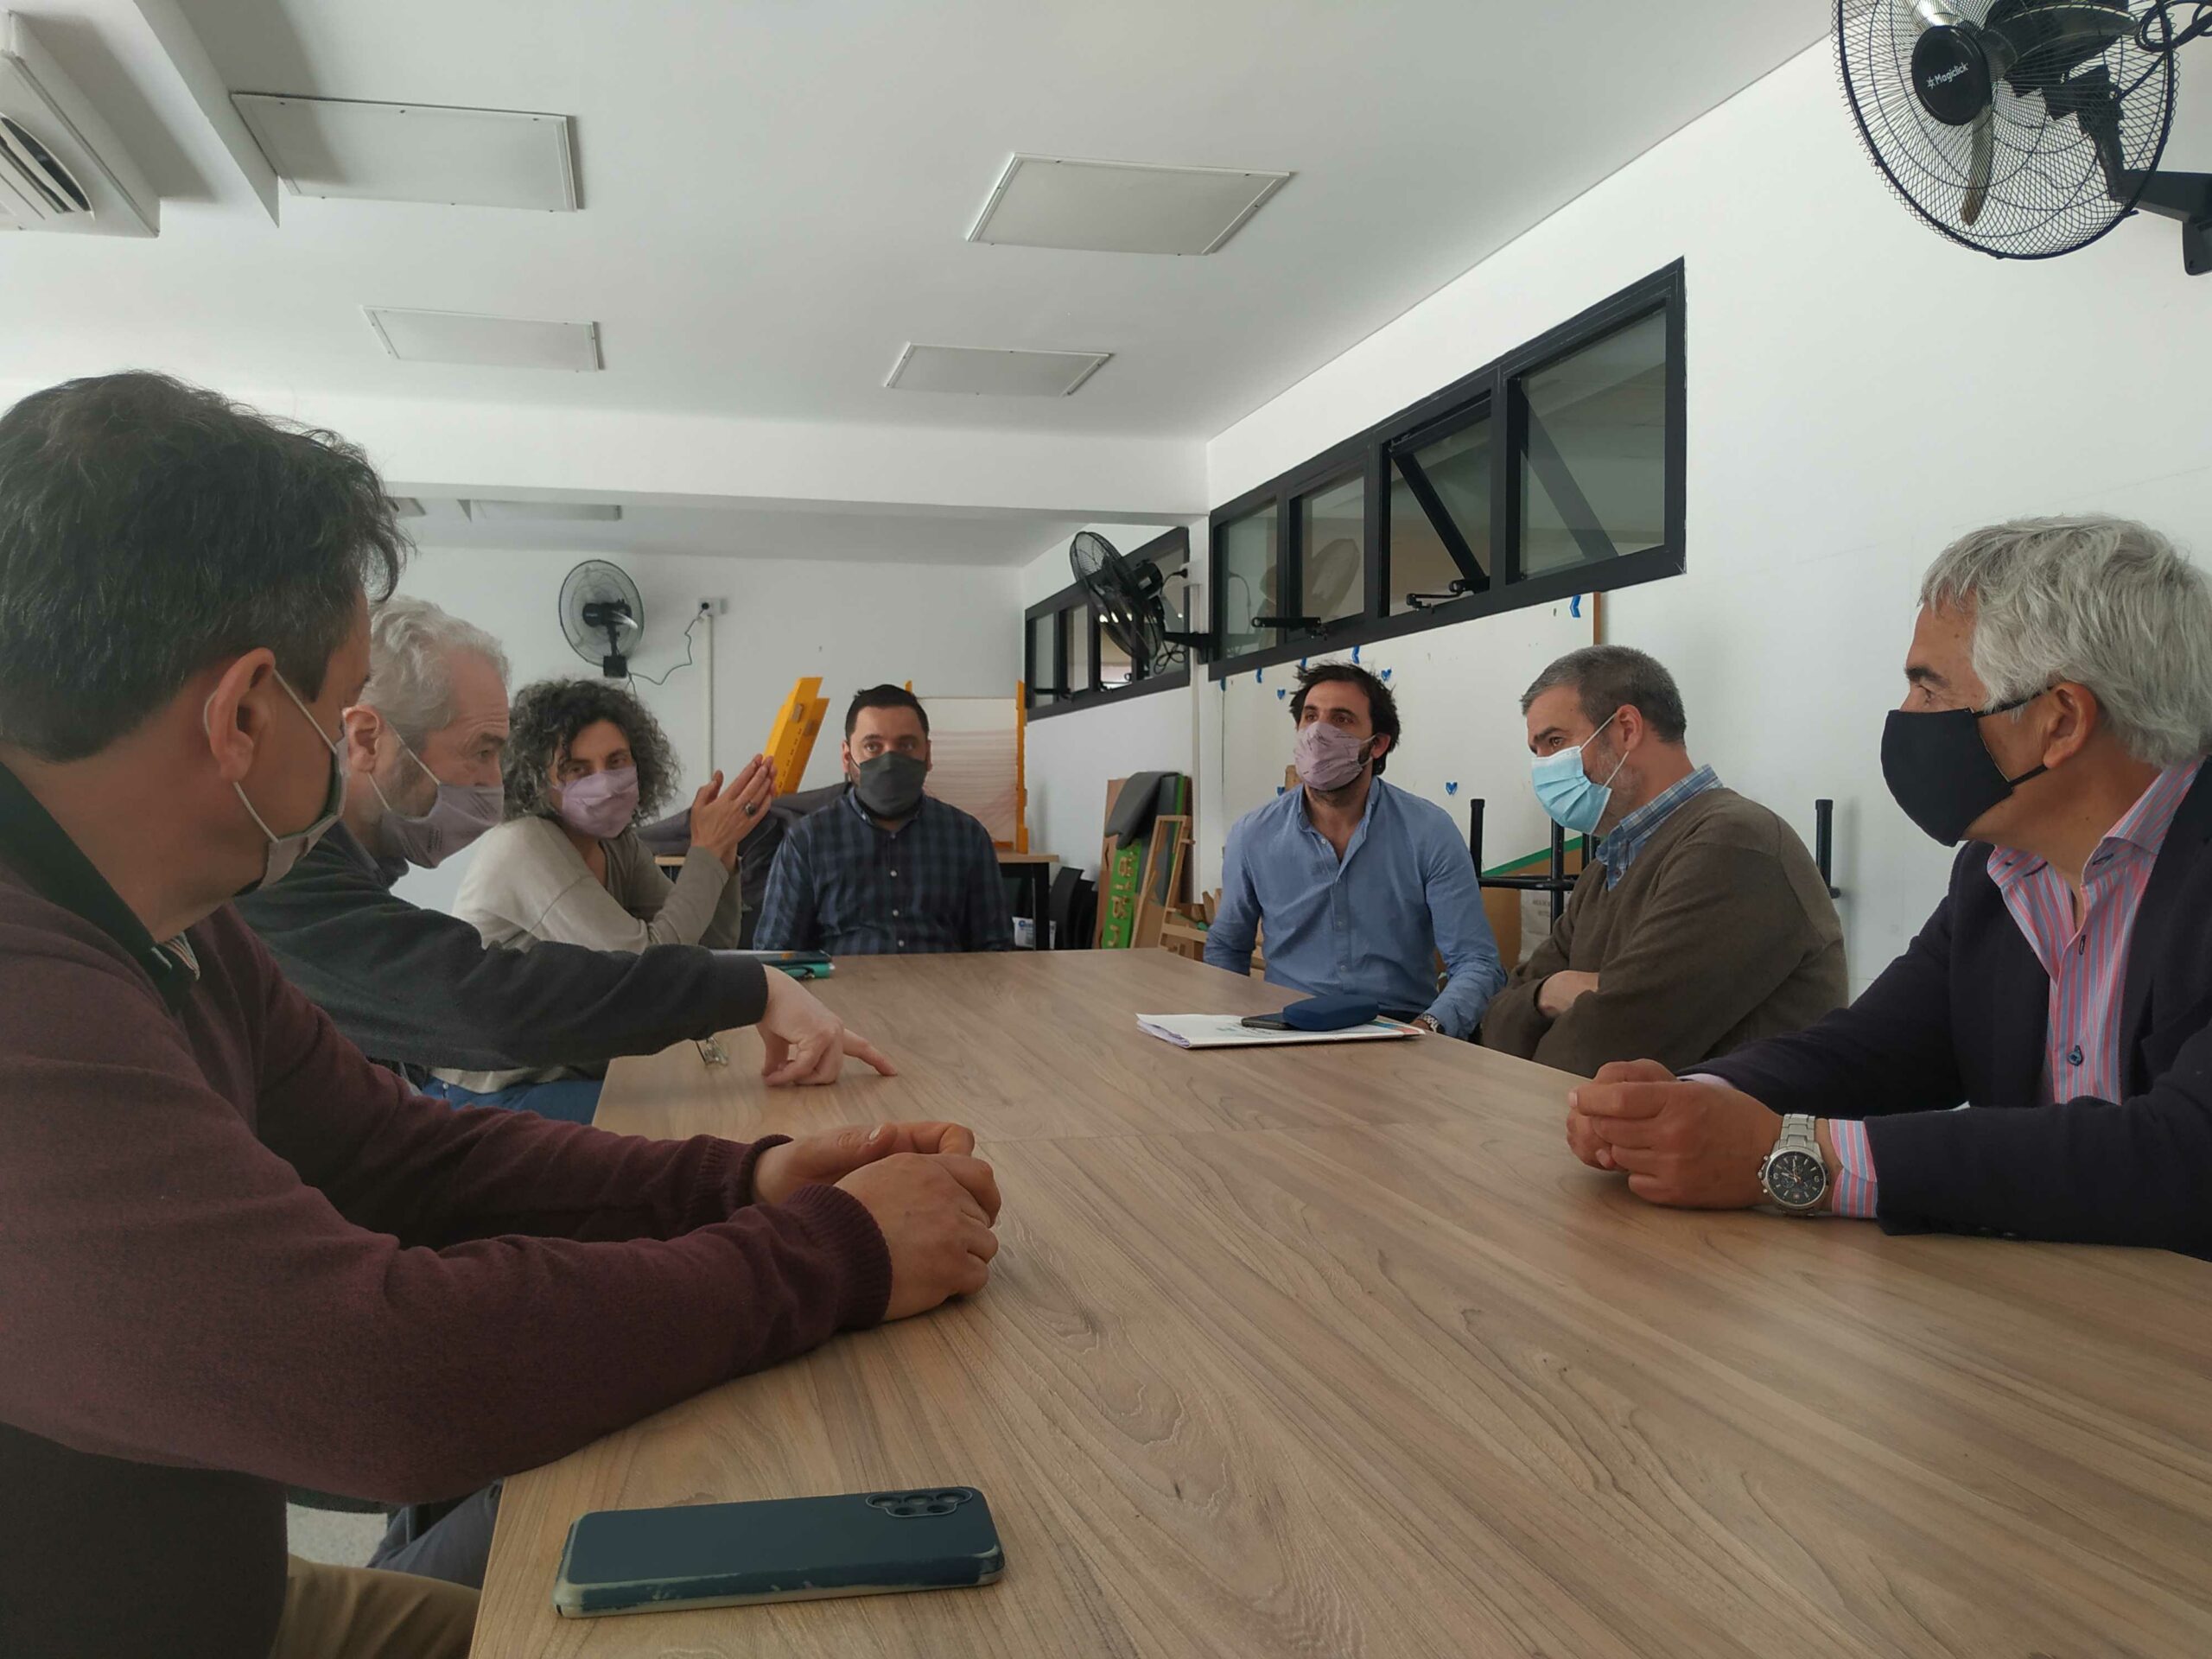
(1360, 886)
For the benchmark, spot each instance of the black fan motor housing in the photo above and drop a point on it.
(609, 614)
(1950, 72)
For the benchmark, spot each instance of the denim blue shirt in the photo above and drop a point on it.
(1369, 927)
(1618, 850)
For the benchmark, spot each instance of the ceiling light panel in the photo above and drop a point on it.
(567, 513)
(496, 342)
(992, 374)
(415, 152)
(1043, 201)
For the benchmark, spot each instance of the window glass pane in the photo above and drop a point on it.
(1593, 479)
(1332, 575)
(1175, 611)
(1043, 671)
(1170, 556)
(1079, 679)
(1113, 660)
(1457, 468)
(1174, 563)
(1248, 581)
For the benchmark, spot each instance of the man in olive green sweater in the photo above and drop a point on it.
(1700, 923)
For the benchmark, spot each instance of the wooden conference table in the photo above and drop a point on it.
(1340, 1352)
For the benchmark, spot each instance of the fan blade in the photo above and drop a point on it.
(1984, 139)
(1932, 13)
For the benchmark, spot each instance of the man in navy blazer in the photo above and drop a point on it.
(2059, 711)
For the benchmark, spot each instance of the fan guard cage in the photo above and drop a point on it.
(2048, 193)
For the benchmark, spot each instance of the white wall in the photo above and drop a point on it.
(1860, 390)
(944, 628)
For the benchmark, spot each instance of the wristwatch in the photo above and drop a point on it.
(1428, 1023)
(1794, 1176)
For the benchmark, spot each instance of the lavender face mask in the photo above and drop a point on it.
(602, 804)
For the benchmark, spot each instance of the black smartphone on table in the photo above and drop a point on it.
(781, 1549)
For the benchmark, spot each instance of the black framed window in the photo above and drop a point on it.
(1592, 465)
(1073, 660)
(1440, 511)
(1247, 557)
(1557, 469)
(1332, 552)
(1041, 670)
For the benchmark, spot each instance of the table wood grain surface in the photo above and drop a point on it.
(1339, 1351)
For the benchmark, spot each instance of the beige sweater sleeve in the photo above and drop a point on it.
(527, 881)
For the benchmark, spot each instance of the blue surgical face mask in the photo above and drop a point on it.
(1575, 802)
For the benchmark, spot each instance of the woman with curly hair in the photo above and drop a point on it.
(583, 760)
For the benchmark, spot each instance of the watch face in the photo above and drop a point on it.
(1797, 1179)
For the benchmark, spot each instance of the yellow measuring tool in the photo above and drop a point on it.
(797, 723)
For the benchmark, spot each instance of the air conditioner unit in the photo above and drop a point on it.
(61, 166)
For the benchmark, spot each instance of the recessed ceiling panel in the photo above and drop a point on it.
(591, 513)
(415, 152)
(498, 342)
(994, 374)
(1042, 201)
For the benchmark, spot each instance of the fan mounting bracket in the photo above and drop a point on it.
(2186, 197)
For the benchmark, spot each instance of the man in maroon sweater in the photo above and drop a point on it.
(233, 1253)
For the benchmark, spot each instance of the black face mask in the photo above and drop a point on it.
(1941, 771)
(890, 785)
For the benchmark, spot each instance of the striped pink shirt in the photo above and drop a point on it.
(2087, 962)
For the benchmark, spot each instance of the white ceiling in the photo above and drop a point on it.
(795, 531)
(776, 196)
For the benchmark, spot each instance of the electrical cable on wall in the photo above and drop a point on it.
(635, 676)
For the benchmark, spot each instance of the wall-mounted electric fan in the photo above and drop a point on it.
(601, 616)
(2023, 128)
(1128, 593)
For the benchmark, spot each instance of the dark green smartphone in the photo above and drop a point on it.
(784, 1549)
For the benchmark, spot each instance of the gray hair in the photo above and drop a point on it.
(1605, 679)
(411, 643)
(2103, 601)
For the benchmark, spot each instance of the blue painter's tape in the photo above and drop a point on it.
(1281, 691)
(1452, 788)
(1258, 675)
(1279, 789)
(1355, 654)
(1384, 676)
(1575, 606)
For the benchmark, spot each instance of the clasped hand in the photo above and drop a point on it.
(1695, 1145)
(934, 1202)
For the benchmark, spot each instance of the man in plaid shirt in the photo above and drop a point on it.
(886, 870)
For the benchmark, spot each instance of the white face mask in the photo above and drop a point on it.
(285, 851)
